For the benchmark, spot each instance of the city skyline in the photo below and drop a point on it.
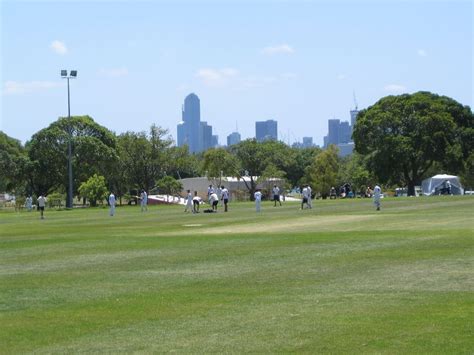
(298, 63)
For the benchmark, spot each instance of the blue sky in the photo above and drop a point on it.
(297, 62)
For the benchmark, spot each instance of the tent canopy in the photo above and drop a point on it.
(438, 184)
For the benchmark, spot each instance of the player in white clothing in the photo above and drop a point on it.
(377, 196)
(258, 199)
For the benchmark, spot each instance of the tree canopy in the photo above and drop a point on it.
(93, 148)
(13, 163)
(403, 136)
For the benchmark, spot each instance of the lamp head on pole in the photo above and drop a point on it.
(72, 74)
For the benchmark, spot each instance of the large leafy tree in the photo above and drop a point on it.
(353, 170)
(93, 151)
(255, 159)
(299, 160)
(94, 189)
(323, 171)
(404, 136)
(218, 162)
(180, 163)
(143, 156)
(13, 164)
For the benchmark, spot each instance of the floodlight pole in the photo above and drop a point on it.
(69, 150)
(69, 199)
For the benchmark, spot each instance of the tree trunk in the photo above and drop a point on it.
(411, 188)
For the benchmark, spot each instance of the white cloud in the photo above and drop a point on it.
(395, 88)
(114, 72)
(341, 76)
(58, 47)
(216, 77)
(421, 53)
(17, 88)
(280, 49)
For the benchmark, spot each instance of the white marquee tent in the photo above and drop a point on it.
(438, 184)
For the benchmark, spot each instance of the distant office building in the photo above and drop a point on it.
(205, 136)
(340, 132)
(191, 131)
(233, 138)
(307, 142)
(354, 114)
(266, 130)
(345, 132)
(345, 149)
(333, 131)
(214, 141)
(325, 141)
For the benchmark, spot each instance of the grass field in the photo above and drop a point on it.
(338, 278)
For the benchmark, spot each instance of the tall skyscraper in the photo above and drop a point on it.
(345, 132)
(191, 117)
(266, 130)
(307, 142)
(354, 114)
(233, 138)
(191, 131)
(206, 136)
(333, 131)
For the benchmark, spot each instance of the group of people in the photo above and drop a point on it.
(222, 194)
(41, 202)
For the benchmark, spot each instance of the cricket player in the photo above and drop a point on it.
(213, 201)
(258, 199)
(41, 205)
(310, 197)
(225, 197)
(276, 195)
(377, 195)
(112, 204)
(144, 201)
(29, 203)
(306, 196)
(189, 202)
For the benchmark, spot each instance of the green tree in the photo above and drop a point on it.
(180, 163)
(323, 171)
(403, 136)
(218, 162)
(255, 157)
(169, 185)
(299, 161)
(353, 170)
(13, 164)
(93, 152)
(143, 156)
(94, 189)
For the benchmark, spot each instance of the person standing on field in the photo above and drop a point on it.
(189, 202)
(29, 203)
(377, 196)
(225, 197)
(144, 201)
(276, 195)
(305, 194)
(41, 205)
(210, 191)
(258, 199)
(310, 197)
(112, 204)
